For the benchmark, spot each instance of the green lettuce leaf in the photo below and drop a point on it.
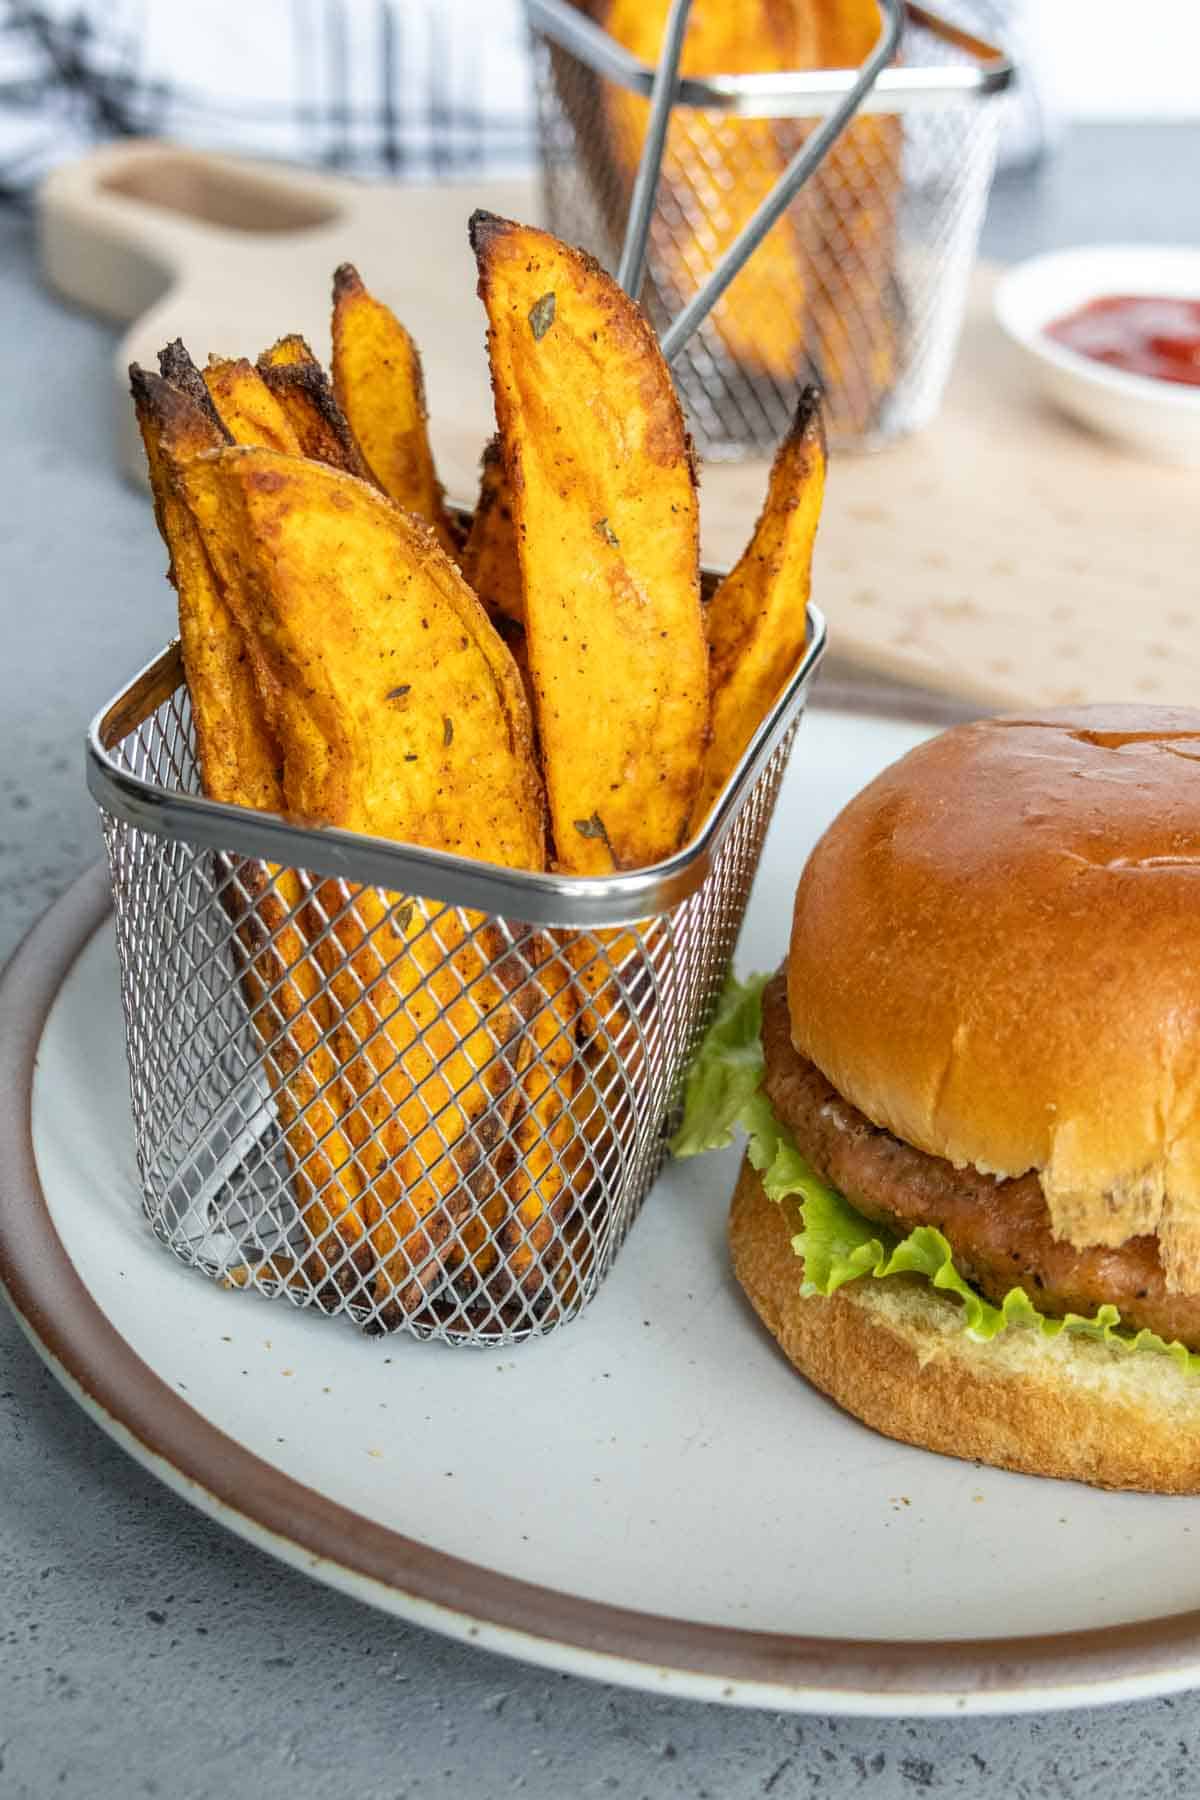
(836, 1243)
(725, 1072)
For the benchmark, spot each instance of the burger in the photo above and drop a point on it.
(969, 1210)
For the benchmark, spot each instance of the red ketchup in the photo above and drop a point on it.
(1145, 334)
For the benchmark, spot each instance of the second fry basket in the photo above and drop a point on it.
(861, 286)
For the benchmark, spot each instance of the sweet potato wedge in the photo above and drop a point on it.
(240, 765)
(756, 619)
(238, 759)
(247, 409)
(433, 1048)
(511, 1240)
(604, 502)
(301, 386)
(491, 564)
(380, 388)
(399, 713)
(284, 987)
(490, 561)
(287, 352)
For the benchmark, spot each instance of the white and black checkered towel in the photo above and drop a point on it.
(413, 89)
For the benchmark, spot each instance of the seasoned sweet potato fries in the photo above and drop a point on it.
(541, 690)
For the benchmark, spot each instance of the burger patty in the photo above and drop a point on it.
(999, 1230)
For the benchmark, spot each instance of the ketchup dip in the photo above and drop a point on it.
(1143, 334)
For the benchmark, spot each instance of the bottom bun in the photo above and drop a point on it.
(894, 1355)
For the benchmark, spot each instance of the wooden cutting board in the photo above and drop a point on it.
(1003, 555)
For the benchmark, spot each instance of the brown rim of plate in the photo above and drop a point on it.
(86, 1352)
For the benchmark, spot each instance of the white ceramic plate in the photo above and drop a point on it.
(1159, 419)
(652, 1496)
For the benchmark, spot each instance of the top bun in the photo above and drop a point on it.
(995, 955)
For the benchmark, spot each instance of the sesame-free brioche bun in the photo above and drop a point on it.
(995, 956)
(894, 1354)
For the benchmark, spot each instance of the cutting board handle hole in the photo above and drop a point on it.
(204, 191)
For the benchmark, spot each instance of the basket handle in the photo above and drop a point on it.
(645, 186)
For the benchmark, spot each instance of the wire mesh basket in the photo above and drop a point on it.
(391, 1083)
(861, 286)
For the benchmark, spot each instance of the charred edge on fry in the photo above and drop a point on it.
(809, 412)
(164, 402)
(310, 379)
(177, 369)
(483, 226)
(347, 280)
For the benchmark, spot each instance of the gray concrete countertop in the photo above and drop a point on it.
(143, 1650)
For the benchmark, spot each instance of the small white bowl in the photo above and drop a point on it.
(1159, 419)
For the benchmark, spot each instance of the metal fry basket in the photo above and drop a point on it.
(861, 285)
(391, 1083)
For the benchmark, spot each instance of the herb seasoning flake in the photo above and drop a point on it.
(541, 317)
(594, 828)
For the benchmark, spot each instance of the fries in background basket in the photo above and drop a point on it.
(717, 171)
(849, 237)
(818, 299)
